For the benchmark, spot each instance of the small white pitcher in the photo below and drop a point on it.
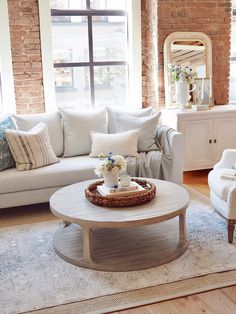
(183, 93)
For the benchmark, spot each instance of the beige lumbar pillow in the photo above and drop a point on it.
(124, 143)
(31, 149)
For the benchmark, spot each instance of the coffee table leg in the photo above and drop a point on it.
(66, 223)
(182, 228)
(87, 246)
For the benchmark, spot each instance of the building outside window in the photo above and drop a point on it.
(90, 52)
(233, 56)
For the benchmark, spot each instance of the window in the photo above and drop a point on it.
(7, 95)
(233, 57)
(91, 54)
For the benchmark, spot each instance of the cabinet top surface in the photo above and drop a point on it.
(213, 110)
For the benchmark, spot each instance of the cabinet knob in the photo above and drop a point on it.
(210, 141)
(214, 140)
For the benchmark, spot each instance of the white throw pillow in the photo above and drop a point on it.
(124, 144)
(31, 149)
(53, 122)
(113, 112)
(147, 125)
(77, 127)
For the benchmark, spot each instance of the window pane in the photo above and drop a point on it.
(110, 38)
(70, 39)
(68, 4)
(233, 60)
(72, 87)
(108, 4)
(111, 85)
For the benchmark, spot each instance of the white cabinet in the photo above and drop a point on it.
(206, 134)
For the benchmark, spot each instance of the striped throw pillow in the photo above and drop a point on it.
(31, 149)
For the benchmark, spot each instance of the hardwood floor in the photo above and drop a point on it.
(213, 302)
(217, 301)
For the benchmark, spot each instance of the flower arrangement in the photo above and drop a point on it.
(110, 163)
(179, 73)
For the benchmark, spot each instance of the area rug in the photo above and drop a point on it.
(34, 278)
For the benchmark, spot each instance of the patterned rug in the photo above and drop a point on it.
(33, 277)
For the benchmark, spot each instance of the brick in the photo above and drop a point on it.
(26, 55)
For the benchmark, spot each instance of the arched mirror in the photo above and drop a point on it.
(192, 50)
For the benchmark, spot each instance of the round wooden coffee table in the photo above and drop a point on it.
(121, 239)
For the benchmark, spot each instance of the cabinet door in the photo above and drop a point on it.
(197, 146)
(224, 136)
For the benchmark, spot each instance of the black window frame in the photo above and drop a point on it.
(90, 13)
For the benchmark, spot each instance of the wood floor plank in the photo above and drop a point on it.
(230, 292)
(217, 301)
(25, 214)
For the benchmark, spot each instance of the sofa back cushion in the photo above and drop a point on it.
(113, 113)
(53, 122)
(148, 124)
(6, 159)
(77, 126)
(31, 149)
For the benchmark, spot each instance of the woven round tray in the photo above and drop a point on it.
(96, 198)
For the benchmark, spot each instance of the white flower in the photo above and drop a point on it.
(182, 73)
(110, 163)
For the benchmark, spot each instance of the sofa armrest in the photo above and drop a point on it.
(231, 201)
(172, 145)
(228, 159)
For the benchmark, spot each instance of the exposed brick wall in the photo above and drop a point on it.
(149, 53)
(212, 17)
(26, 55)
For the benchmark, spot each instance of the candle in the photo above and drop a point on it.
(202, 95)
(125, 180)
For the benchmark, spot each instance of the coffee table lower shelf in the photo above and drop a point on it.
(122, 249)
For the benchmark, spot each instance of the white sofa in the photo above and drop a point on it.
(36, 186)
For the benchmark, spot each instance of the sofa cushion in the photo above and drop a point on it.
(31, 149)
(113, 112)
(67, 171)
(147, 126)
(53, 122)
(77, 126)
(124, 144)
(6, 159)
(220, 186)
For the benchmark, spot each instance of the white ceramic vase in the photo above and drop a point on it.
(182, 93)
(111, 178)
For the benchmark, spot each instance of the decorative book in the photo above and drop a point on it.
(133, 188)
(200, 107)
(229, 176)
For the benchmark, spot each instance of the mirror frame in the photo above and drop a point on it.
(167, 54)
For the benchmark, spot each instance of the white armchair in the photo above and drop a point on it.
(223, 191)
